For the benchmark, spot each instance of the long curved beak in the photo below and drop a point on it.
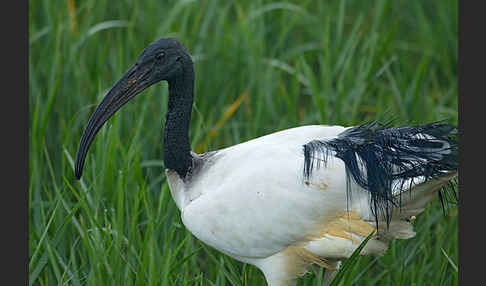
(134, 81)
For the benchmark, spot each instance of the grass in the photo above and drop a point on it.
(261, 66)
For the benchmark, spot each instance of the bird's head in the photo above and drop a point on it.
(163, 59)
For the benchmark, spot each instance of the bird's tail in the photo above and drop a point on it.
(391, 161)
(412, 202)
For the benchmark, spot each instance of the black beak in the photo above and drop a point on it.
(132, 83)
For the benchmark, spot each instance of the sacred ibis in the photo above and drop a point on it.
(302, 196)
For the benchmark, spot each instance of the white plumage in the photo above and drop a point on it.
(252, 203)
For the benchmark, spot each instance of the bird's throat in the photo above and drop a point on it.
(176, 147)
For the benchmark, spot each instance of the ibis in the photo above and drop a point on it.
(304, 196)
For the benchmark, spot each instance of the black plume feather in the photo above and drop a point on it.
(378, 157)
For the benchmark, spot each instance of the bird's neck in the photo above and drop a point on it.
(177, 148)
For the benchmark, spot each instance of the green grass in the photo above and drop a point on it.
(300, 62)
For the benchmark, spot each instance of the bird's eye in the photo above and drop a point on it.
(160, 56)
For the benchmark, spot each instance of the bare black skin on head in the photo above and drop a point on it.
(164, 59)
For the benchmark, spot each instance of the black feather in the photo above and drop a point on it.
(378, 157)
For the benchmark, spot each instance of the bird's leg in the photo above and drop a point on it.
(330, 273)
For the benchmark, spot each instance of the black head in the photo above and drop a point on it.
(163, 59)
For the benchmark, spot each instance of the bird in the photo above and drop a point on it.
(295, 199)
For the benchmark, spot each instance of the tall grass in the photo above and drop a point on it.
(292, 62)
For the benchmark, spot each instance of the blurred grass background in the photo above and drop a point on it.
(261, 66)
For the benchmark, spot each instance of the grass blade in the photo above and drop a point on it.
(350, 261)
